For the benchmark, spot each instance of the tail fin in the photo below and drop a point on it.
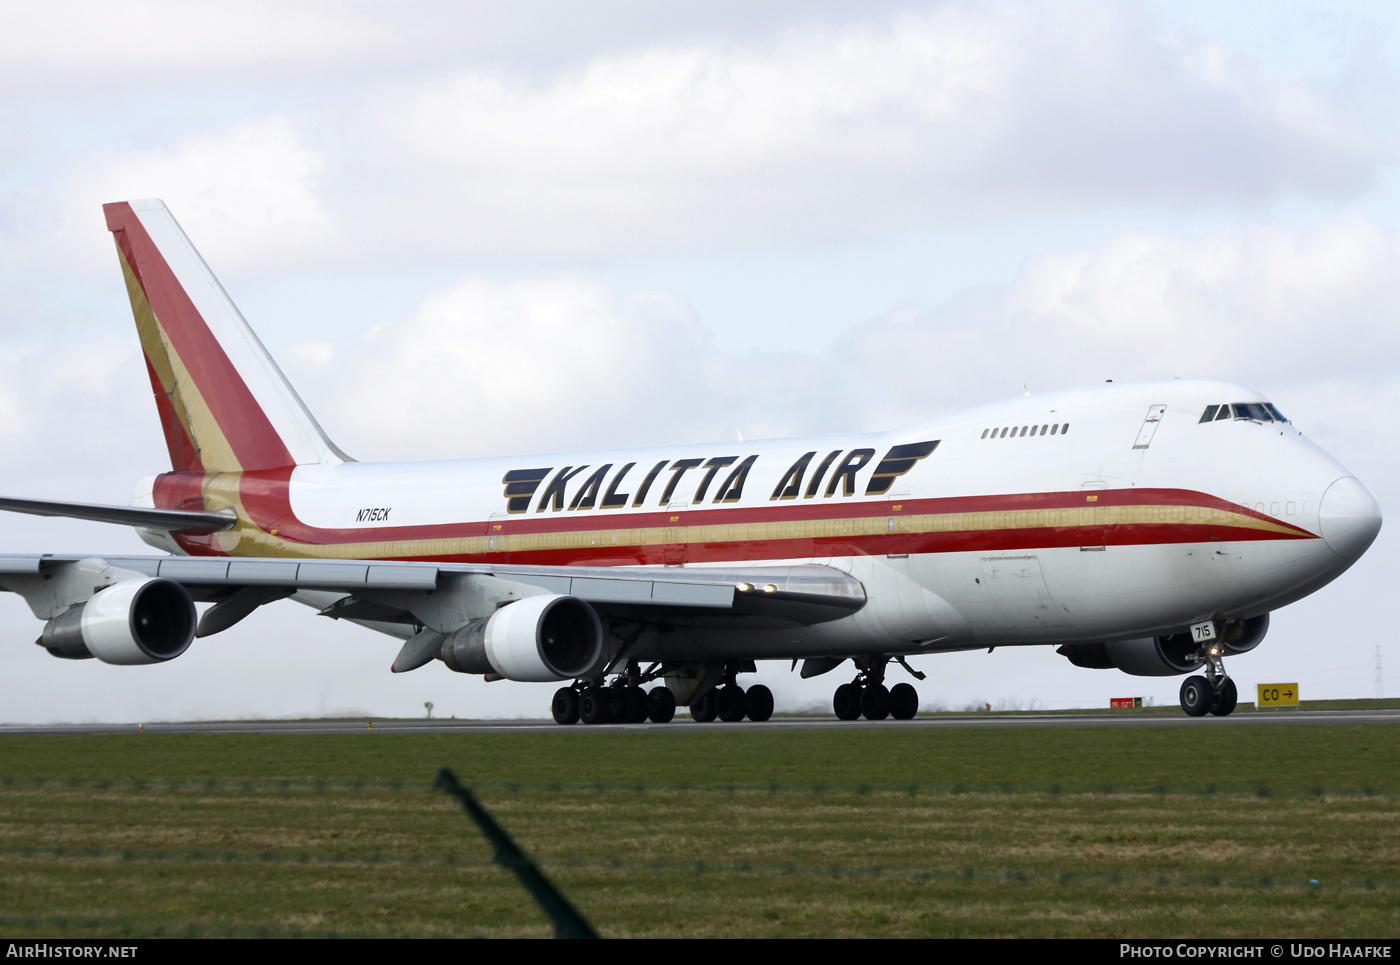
(224, 404)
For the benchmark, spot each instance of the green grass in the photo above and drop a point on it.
(779, 858)
(1335, 755)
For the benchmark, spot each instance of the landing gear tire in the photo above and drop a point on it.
(730, 704)
(703, 709)
(846, 702)
(661, 705)
(593, 706)
(875, 702)
(565, 706)
(1197, 695)
(1225, 700)
(904, 702)
(758, 703)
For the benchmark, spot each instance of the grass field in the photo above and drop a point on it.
(697, 831)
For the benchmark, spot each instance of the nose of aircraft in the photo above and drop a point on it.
(1350, 517)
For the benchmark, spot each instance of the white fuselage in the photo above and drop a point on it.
(1130, 517)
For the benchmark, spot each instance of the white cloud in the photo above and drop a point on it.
(1265, 305)
(143, 37)
(955, 112)
(818, 133)
(77, 421)
(247, 193)
(484, 368)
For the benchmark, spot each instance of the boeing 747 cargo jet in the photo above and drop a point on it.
(1146, 527)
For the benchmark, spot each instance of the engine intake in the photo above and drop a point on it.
(1244, 635)
(130, 623)
(541, 638)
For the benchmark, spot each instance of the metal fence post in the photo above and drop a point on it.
(568, 923)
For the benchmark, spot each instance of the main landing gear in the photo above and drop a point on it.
(621, 702)
(1214, 693)
(732, 703)
(868, 696)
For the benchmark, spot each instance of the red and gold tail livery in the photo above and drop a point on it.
(224, 404)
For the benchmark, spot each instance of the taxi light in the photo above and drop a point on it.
(743, 587)
(769, 588)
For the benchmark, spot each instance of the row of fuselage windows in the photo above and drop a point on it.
(1014, 431)
(1258, 411)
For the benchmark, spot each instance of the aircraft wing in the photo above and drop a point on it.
(429, 594)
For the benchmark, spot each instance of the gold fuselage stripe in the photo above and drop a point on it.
(251, 541)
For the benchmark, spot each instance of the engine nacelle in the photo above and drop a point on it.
(541, 638)
(1144, 657)
(132, 622)
(1164, 656)
(1155, 656)
(1244, 635)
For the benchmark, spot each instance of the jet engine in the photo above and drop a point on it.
(1154, 656)
(132, 622)
(1164, 656)
(1242, 636)
(547, 637)
(1144, 657)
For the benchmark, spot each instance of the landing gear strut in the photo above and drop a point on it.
(1214, 693)
(867, 695)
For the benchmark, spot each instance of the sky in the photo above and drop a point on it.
(478, 228)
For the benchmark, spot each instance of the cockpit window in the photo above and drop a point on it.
(1253, 410)
(1257, 411)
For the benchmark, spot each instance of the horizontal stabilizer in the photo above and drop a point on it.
(170, 520)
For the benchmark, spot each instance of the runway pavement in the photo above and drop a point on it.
(681, 723)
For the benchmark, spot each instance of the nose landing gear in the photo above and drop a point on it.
(1214, 693)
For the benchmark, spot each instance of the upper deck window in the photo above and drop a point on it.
(1017, 431)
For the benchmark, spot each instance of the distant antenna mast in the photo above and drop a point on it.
(1380, 687)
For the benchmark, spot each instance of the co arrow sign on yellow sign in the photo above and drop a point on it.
(1277, 695)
